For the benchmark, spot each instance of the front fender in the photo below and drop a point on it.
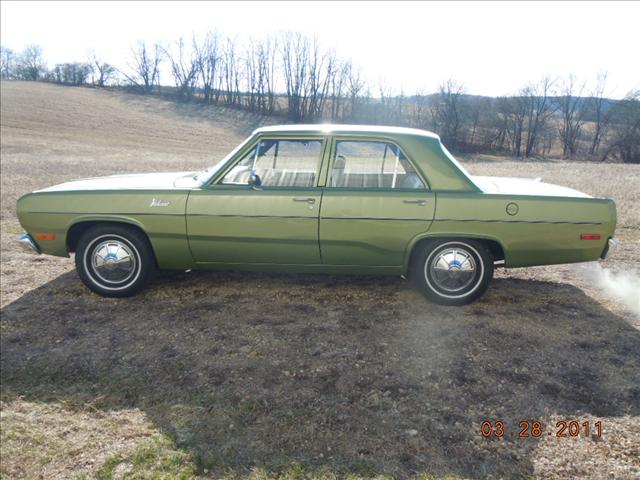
(164, 224)
(106, 218)
(166, 233)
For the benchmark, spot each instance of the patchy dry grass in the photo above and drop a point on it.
(258, 376)
(55, 440)
(577, 458)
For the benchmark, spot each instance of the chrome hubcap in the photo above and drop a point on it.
(113, 261)
(453, 269)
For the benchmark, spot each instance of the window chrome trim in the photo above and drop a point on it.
(346, 138)
(253, 142)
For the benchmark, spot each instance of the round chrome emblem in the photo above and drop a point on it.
(512, 208)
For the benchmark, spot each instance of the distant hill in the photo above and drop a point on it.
(88, 118)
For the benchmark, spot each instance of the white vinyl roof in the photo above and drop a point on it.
(334, 128)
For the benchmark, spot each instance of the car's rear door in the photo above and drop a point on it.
(373, 205)
(231, 222)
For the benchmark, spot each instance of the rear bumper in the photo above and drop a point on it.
(28, 244)
(611, 244)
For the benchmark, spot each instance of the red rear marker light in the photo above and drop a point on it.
(590, 236)
(45, 236)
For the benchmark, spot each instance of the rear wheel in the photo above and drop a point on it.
(114, 260)
(452, 272)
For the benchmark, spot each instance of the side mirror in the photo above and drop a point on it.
(254, 180)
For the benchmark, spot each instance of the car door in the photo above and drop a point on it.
(373, 205)
(274, 221)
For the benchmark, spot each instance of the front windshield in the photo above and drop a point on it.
(205, 175)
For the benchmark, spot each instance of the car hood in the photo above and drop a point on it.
(524, 186)
(141, 181)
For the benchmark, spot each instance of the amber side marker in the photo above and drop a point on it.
(45, 236)
(590, 236)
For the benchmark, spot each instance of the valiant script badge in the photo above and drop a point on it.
(156, 202)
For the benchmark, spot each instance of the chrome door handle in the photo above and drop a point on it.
(422, 203)
(309, 200)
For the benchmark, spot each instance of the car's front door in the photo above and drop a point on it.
(264, 210)
(373, 205)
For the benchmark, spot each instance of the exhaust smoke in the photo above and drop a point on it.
(623, 287)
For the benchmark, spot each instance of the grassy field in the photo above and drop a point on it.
(263, 376)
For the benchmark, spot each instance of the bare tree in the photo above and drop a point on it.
(31, 64)
(251, 75)
(514, 110)
(601, 115)
(419, 109)
(266, 63)
(208, 62)
(308, 71)
(104, 71)
(295, 56)
(571, 107)
(381, 108)
(447, 111)
(539, 110)
(184, 63)
(337, 89)
(391, 106)
(8, 59)
(625, 122)
(355, 89)
(230, 73)
(145, 63)
(473, 112)
(399, 107)
(259, 75)
(322, 66)
(492, 133)
(499, 125)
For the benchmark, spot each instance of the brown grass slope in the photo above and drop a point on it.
(288, 376)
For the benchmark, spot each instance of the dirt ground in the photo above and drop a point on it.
(261, 376)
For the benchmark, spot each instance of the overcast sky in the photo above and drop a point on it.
(493, 48)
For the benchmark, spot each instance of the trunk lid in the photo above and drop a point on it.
(524, 186)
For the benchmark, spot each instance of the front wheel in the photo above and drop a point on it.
(114, 260)
(452, 272)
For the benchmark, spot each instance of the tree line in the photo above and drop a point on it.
(294, 76)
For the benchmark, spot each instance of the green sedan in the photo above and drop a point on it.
(319, 198)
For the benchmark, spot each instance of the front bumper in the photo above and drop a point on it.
(28, 244)
(611, 244)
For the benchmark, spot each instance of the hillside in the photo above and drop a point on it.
(86, 132)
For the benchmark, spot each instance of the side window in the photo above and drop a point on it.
(372, 164)
(278, 163)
